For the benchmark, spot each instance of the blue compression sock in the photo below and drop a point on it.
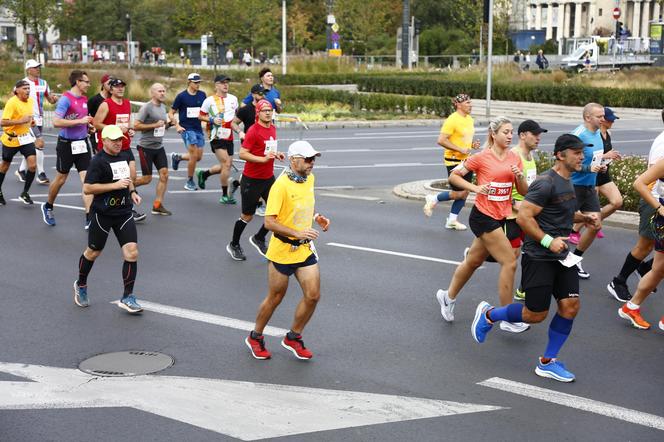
(443, 196)
(559, 330)
(509, 313)
(457, 206)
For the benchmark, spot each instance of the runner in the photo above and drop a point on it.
(39, 91)
(605, 185)
(152, 121)
(110, 182)
(584, 180)
(270, 92)
(188, 105)
(631, 310)
(219, 112)
(635, 259)
(116, 110)
(73, 148)
(546, 215)
(96, 101)
(17, 118)
(456, 137)
(259, 150)
(498, 169)
(289, 215)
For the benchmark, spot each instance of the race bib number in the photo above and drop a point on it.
(530, 177)
(39, 121)
(223, 133)
(120, 170)
(597, 158)
(122, 121)
(270, 146)
(26, 139)
(193, 112)
(40, 89)
(499, 191)
(79, 147)
(159, 131)
(570, 260)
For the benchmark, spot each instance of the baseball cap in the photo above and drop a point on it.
(609, 115)
(460, 98)
(257, 89)
(196, 78)
(569, 141)
(116, 82)
(105, 78)
(303, 149)
(221, 78)
(532, 127)
(32, 64)
(112, 132)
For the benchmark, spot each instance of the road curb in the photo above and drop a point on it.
(417, 190)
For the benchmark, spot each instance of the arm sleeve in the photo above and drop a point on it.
(539, 191)
(61, 106)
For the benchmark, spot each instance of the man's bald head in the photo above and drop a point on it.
(593, 114)
(158, 92)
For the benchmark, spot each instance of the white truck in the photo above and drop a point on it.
(584, 54)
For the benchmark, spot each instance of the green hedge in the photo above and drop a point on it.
(570, 95)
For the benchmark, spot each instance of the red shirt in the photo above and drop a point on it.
(120, 115)
(254, 142)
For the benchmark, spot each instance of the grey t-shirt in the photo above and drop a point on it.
(556, 196)
(148, 114)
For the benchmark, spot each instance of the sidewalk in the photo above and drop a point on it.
(417, 190)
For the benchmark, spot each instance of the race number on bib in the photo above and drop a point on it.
(530, 177)
(120, 170)
(26, 138)
(499, 191)
(159, 131)
(223, 133)
(270, 146)
(122, 121)
(79, 147)
(193, 112)
(39, 121)
(597, 158)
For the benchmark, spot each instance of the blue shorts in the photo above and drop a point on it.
(289, 269)
(191, 137)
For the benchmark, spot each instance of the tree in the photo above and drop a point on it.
(362, 21)
(33, 14)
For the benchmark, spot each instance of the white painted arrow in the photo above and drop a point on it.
(228, 407)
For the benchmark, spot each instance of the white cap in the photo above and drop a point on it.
(303, 149)
(196, 78)
(32, 64)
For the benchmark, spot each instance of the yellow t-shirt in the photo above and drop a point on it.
(293, 205)
(14, 110)
(460, 131)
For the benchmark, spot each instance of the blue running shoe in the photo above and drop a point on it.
(80, 295)
(129, 303)
(175, 160)
(480, 326)
(47, 215)
(554, 370)
(189, 185)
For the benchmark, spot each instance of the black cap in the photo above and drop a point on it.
(569, 141)
(116, 82)
(609, 115)
(221, 78)
(257, 89)
(532, 127)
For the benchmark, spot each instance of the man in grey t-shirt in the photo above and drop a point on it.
(152, 122)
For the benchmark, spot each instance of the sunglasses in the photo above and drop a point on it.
(307, 160)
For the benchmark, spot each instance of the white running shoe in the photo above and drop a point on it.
(446, 305)
(430, 203)
(455, 225)
(514, 327)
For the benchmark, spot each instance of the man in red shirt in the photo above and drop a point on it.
(259, 150)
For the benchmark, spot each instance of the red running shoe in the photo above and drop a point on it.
(257, 347)
(297, 347)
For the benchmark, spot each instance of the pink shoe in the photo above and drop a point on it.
(574, 238)
(600, 235)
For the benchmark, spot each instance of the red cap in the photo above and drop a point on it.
(261, 105)
(105, 78)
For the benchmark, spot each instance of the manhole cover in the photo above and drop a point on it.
(126, 363)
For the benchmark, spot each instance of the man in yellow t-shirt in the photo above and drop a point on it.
(456, 137)
(289, 215)
(17, 118)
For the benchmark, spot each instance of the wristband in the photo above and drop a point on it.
(546, 241)
(133, 191)
(316, 215)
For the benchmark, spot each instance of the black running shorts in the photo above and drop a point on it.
(65, 159)
(468, 177)
(481, 223)
(148, 157)
(227, 145)
(123, 227)
(289, 269)
(9, 152)
(252, 190)
(541, 279)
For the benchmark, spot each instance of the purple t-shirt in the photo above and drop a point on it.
(72, 107)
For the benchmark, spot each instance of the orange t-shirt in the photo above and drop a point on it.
(497, 173)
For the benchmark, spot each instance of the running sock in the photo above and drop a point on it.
(40, 160)
(632, 306)
(50, 206)
(255, 335)
(262, 232)
(578, 252)
(156, 204)
(84, 267)
(240, 224)
(2, 178)
(29, 178)
(645, 267)
(509, 313)
(443, 196)
(224, 190)
(559, 330)
(191, 178)
(128, 277)
(629, 267)
(292, 335)
(206, 174)
(457, 205)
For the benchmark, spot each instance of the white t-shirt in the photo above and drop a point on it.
(656, 154)
(225, 108)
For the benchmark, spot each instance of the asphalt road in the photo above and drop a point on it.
(377, 329)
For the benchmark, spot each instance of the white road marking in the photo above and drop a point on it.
(208, 318)
(578, 402)
(390, 252)
(196, 191)
(371, 166)
(223, 406)
(350, 197)
(64, 206)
